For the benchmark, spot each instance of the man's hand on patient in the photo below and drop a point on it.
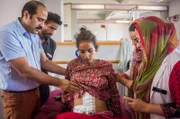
(68, 86)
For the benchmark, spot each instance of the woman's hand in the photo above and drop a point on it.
(136, 104)
(139, 105)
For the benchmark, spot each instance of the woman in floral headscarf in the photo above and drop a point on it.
(157, 86)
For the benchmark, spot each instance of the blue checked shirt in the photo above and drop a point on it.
(15, 42)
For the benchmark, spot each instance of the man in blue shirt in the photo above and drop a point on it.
(49, 45)
(21, 58)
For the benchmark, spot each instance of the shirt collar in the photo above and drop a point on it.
(47, 40)
(20, 27)
(23, 31)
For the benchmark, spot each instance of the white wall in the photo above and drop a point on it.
(117, 31)
(162, 15)
(57, 6)
(10, 10)
(94, 16)
(111, 32)
(74, 24)
(174, 9)
(67, 20)
(106, 52)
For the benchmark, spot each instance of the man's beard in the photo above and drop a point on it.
(46, 35)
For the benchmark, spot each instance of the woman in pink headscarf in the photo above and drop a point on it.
(157, 87)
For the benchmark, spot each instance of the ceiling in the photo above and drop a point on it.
(155, 2)
(103, 15)
(111, 14)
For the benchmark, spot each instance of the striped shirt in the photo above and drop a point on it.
(15, 42)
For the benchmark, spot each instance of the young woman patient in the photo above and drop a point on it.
(99, 97)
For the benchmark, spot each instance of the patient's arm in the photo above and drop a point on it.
(126, 82)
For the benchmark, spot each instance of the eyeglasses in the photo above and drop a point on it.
(137, 40)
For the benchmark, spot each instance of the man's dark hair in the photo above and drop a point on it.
(132, 27)
(54, 18)
(31, 7)
(85, 35)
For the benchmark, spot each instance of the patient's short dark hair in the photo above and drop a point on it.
(85, 35)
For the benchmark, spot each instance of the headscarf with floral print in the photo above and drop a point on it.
(158, 39)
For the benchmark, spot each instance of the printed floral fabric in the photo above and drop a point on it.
(98, 79)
